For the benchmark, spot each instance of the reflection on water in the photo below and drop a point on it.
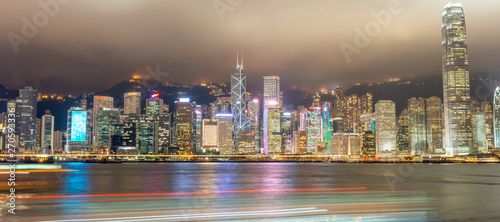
(454, 191)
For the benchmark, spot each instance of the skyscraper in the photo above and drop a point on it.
(209, 135)
(38, 134)
(225, 134)
(197, 118)
(105, 123)
(313, 125)
(132, 103)
(238, 103)
(352, 114)
(286, 132)
(366, 103)
(99, 103)
(58, 142)
(368, 149)
(479, 142)
(487, 109)
(403, 137)
(245, 143)
(184, 126)
(272, 90)
(47, 133)
(254, 116)
(385, 128)
(299, 144)
(154, 106)
(26, 106)
(456, 86)
(417, 127)
(78, 130)
(496, 117)
(434, 121)
(272, 128)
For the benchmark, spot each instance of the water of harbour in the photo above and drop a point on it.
(260, 191)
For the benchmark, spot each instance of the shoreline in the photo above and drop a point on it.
(251, 161)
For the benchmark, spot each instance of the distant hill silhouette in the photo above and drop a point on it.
(482, 88)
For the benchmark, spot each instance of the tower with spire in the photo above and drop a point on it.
(238, 103)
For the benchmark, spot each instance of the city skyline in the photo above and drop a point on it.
(316, 53)
(456, 124)
(128, 110)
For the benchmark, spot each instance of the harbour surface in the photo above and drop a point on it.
(256, 191)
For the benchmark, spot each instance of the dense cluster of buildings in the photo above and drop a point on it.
(243, 123)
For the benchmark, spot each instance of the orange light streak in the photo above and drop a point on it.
(189, 193)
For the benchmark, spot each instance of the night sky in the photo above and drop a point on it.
(90, 45)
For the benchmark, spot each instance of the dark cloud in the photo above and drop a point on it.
(90, 45)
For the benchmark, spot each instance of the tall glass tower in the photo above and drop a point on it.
(238, 104)
(456, 87)
(272, 90)
(26, 107)
(496, 117)
(385, 128)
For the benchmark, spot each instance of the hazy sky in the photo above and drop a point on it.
(90, 45)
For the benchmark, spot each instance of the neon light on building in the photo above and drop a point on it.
(78, 126)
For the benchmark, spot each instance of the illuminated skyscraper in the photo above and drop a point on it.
(106, 121)
(366, 103)
(479, 142)
(99, 103)
(245, 143)
(352, 144)
(385, 128)
(153, 133)
(368, 149)
(352, 114)
(238, 103)
(254, 116)
(58, 142)
(272, 113)
(221, 105)
(286, 132)
(417, 127)
(327, 126)
(272, 90)
(78, 134)
(456, 86)
(225, 134)
(154, 106)
(209, 135)
(272, 128)
(26, 107)
(184, 126)
(313, 125)
(340, 104)
(38, 134)
(198, 116)
(47, 133)
(299, 144)
(132, 103)
(496, 117)
(435, 124)
(487, 109)
(368, 122)
(403, 137)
